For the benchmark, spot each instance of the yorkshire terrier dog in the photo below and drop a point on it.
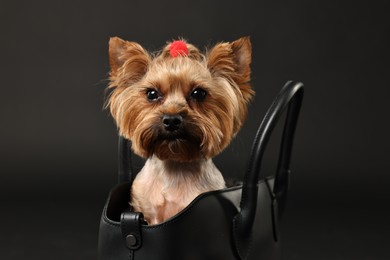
(180, 108)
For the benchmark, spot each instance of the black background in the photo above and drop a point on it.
(58, 146)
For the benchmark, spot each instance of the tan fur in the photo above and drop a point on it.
(178, 169)
(163, 188)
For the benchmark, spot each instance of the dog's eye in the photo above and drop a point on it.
(152, 95)
(198, 94)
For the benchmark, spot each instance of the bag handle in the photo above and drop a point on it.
(125, 171)
(290, 96)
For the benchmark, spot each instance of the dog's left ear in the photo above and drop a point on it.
(129, 58)
(232, 60)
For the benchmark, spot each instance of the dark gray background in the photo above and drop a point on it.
(58, 147)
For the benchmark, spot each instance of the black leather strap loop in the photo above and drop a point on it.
(125, 171)
(291, 95)
(131, 229)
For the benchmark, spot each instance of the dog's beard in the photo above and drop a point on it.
(182, 145)
(179, 149)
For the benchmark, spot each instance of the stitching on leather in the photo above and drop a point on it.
(110, 223)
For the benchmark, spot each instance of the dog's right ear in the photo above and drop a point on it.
(128, 61)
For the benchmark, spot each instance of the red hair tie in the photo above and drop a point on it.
(178, 48)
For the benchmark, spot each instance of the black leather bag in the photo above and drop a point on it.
(239, 222)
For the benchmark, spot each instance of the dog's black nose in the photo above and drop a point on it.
(172, 122)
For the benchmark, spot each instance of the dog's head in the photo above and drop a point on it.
(179, 104)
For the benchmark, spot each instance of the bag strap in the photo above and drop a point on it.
(290, 96)
(125, 171)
